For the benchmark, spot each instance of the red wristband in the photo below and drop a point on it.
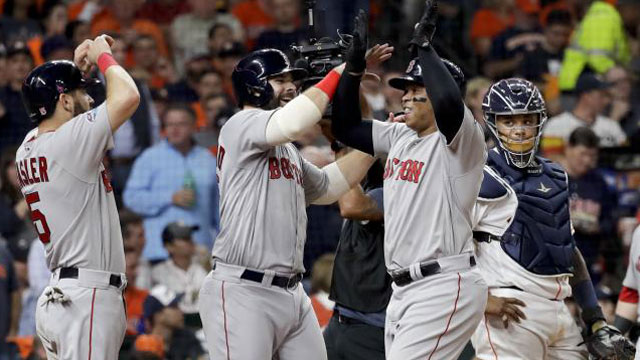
(329, 84)
(105, 60)
(628, 295)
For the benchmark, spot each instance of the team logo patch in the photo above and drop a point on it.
(60, 88)
(414, 65)
(43, 111)
(91, 115)
(543, 188)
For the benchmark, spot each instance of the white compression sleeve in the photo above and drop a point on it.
(288, 123)
(338, 185)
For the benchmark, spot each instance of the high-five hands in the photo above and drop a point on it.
(357, 49)
(425, 28)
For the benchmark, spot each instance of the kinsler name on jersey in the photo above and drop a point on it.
(32, 170)
(410, 170)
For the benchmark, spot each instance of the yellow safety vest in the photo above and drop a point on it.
(599, 42)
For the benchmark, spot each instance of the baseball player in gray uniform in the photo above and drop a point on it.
(81, 314)
(433, 174)
(250, 304)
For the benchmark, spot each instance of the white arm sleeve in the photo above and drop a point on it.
(289, 123)
(338, 185)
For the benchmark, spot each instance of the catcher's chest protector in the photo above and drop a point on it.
(539, 237)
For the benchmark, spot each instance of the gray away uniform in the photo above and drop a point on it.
(263, 194)
(430, 189)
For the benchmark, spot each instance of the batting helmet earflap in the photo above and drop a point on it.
(250, 77)
(42, 87)
(413, 75)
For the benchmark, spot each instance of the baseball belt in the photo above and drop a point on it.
(403, 277)
(72, 273)
(279, 281)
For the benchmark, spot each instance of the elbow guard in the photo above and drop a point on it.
(338, 185)
(288, 123)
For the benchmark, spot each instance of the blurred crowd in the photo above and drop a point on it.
(584, 55)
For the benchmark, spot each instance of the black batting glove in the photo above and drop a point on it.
(357, 49)
(425, 28)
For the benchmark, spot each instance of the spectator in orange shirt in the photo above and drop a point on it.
(133, 296)
(488, 22)
(320, 286)
(147, 61)
(255, 18)
(508, 47)
(118, 17)
(210, 83)
(54, 24)
(225, 61)
(217, 109)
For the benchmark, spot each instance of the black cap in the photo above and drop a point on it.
(588, 81)
(177, 230)
(18, 47)
(231, 49)
(159, 298)
(54, 43)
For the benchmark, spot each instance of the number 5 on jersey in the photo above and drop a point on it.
(38, 218)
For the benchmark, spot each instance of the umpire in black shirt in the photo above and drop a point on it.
(360, 285)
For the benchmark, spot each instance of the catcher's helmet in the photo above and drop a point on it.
(41, 89)
(514, 97)
(413, 75)
(250, 76)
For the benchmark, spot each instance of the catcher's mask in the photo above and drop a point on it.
(513, 101)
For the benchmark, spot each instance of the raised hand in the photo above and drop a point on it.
(425, 28)
(358, 46)
(378, 54)
(100, 44)
(80, 56)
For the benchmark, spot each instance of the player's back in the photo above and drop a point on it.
(69, 195)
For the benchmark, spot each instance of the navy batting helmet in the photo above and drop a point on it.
(515, 97)
(413, 75)
(41, 89)
(251, 75)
